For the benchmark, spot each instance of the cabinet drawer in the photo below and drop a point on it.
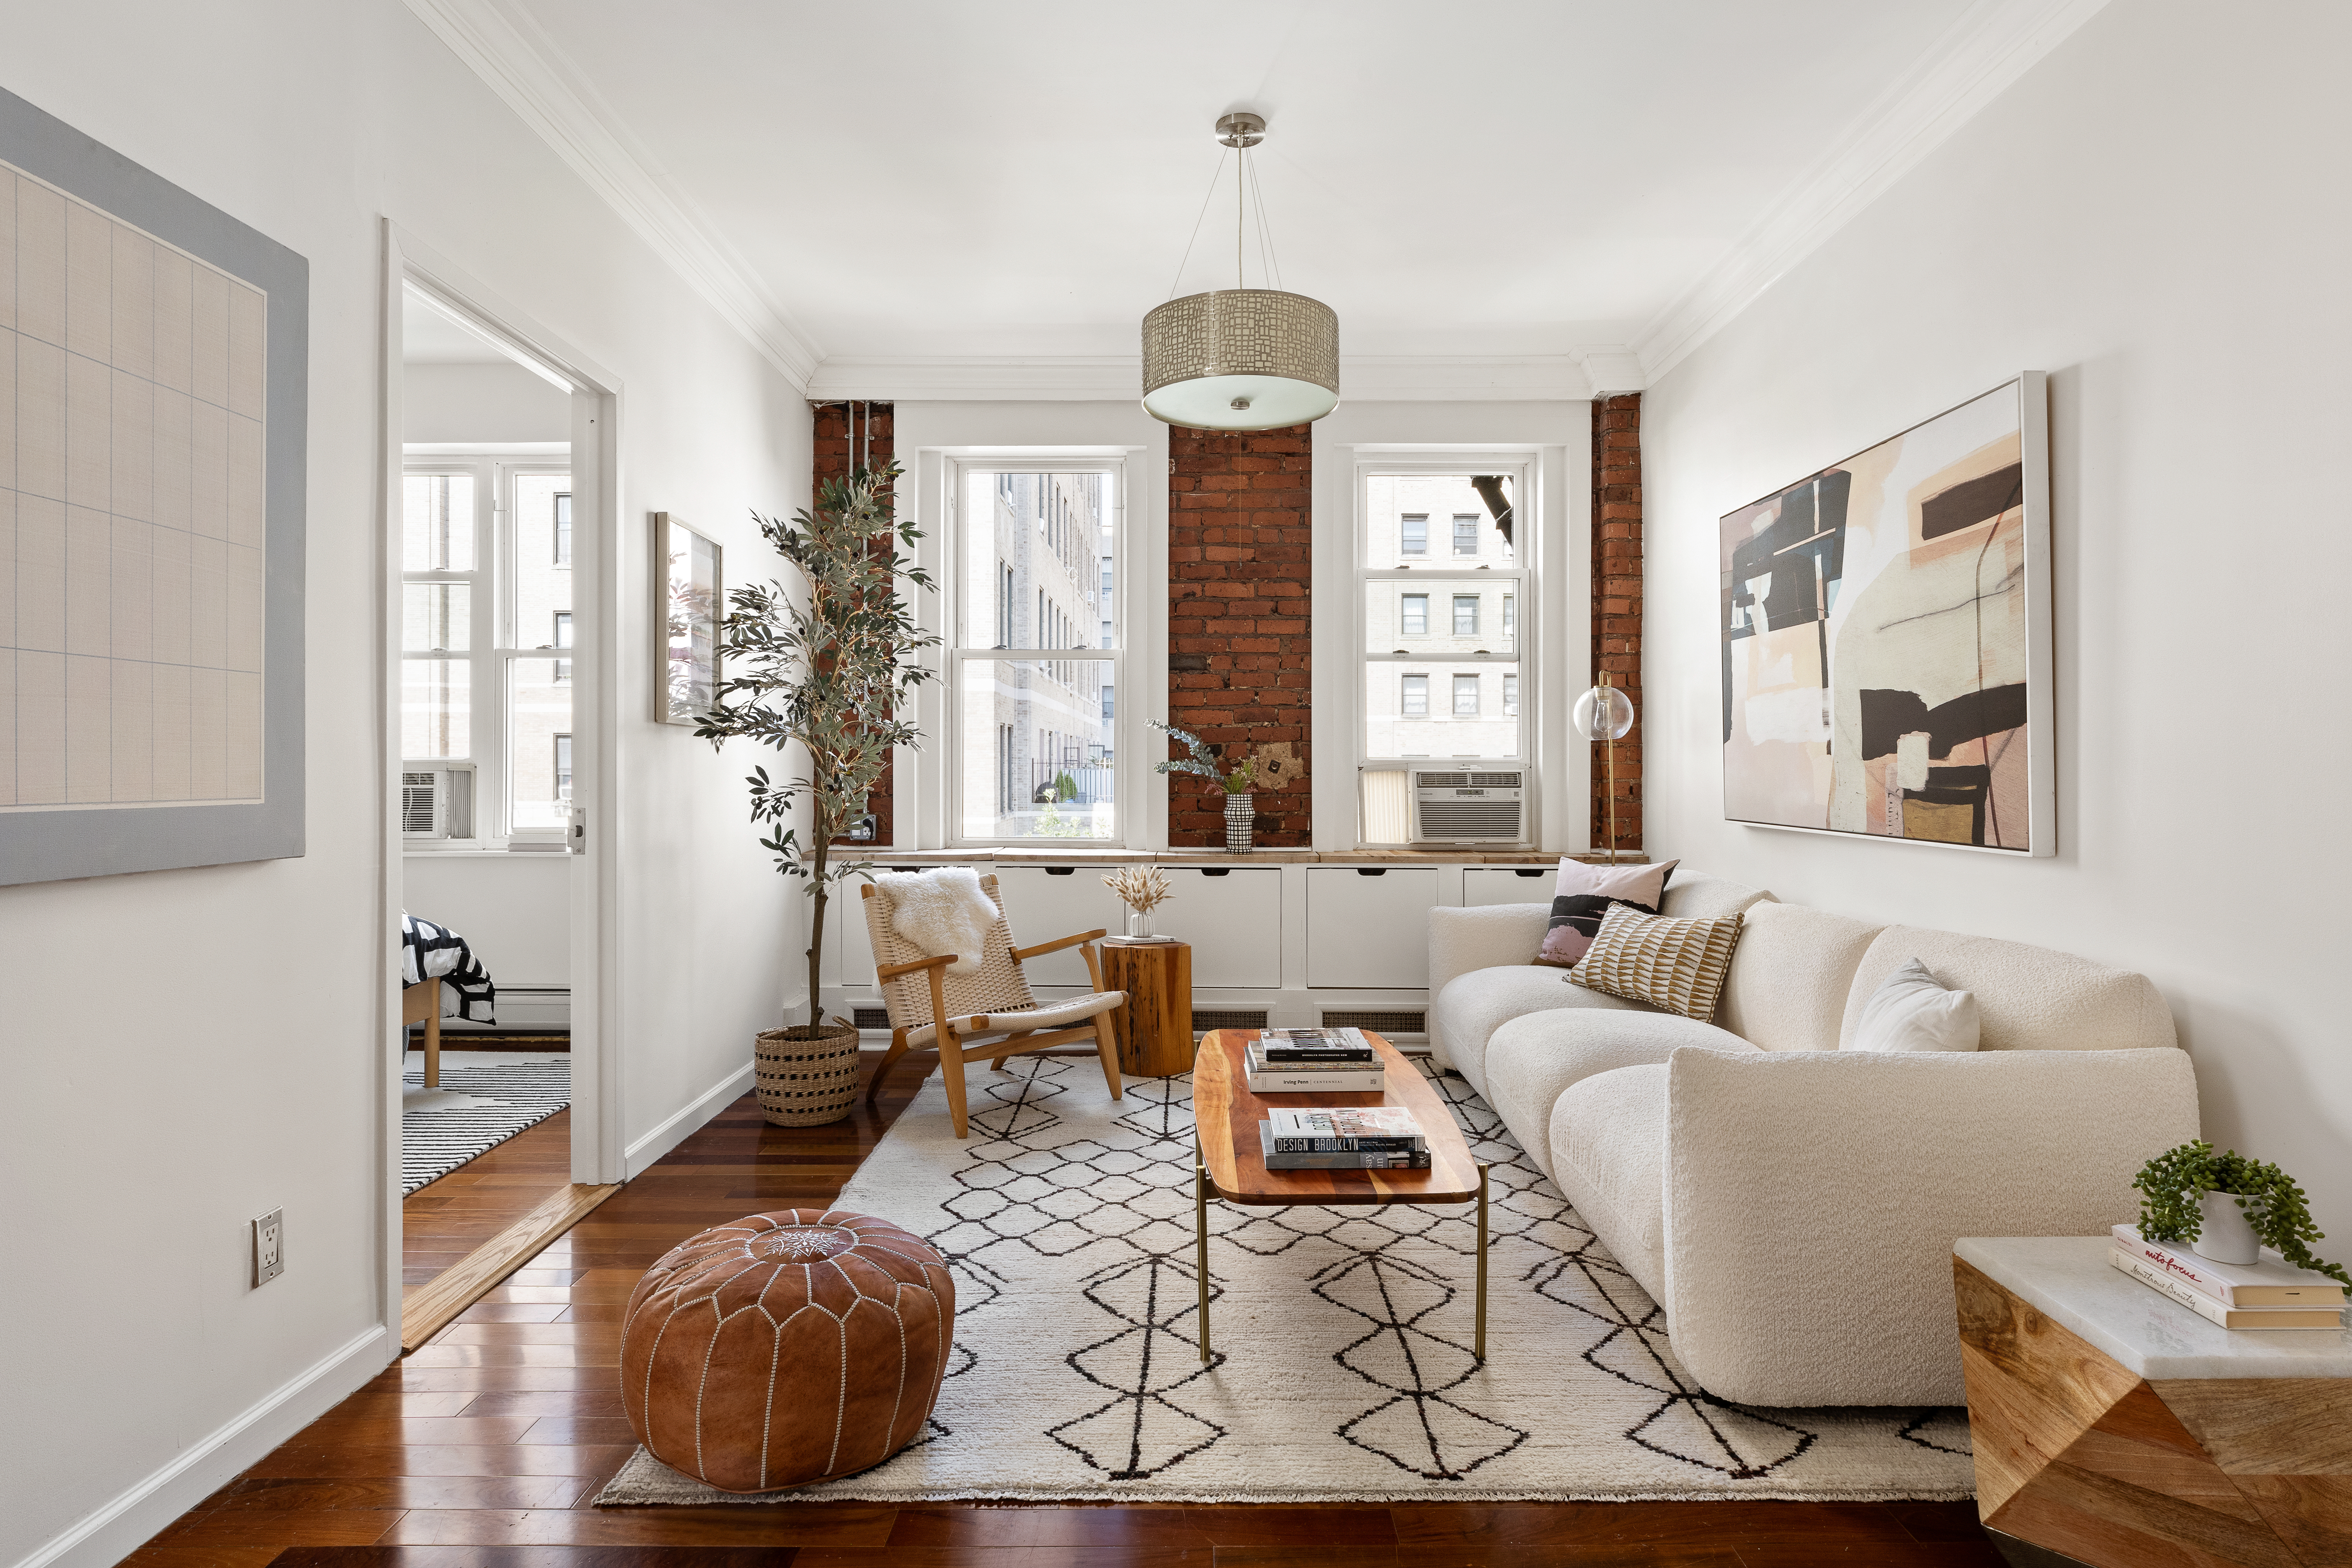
(1231, 916)
(1504, 885)
(1369, 931)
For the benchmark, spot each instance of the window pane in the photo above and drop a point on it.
(1037, 748)
(1398, 509)
(540, 711)
(437, 522)
(1468, 610)
(1401, 722)
(434, 707)
(542, 557)
(1510, 619)
(563, 530)
(1039, 562)
(436, 616)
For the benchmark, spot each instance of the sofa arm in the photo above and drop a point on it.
(1482, 937)
(1813, 1198)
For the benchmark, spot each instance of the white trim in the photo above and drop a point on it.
(1977, 58)
(114, 1530)
(689, 1119)
(524, 66)
(1118, 378)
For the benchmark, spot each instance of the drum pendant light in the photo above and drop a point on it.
(1241, 359)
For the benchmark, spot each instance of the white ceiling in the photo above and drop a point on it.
(937, 178)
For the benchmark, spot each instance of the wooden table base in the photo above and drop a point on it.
(1154, 1030)
(2080, 1460)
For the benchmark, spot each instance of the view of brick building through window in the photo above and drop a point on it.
(1617, 598)
(1239, 664)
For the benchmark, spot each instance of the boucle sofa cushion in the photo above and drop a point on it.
(2028, 998)
(1608, 1141)
(1474, 1005)
(1679, 965)
(1695, 896)
(1584, 893)
(1789, 975)
(1913, 1011)
(1535, 1057)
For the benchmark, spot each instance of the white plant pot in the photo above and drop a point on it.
(2225, 1235)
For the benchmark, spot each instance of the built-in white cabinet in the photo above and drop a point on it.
(1508, 884)
(1045, 903)
(1368, 926)
(1233, 917)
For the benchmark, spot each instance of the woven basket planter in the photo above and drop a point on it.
(807, 1082)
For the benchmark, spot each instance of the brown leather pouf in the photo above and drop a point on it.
(786, 1348)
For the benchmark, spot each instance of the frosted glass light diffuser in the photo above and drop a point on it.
(1602, 713)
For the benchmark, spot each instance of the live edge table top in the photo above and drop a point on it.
(1227, 1115)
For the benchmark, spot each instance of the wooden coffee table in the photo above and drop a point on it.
(1231, 1160)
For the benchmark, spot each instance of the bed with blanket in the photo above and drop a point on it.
(440, 978)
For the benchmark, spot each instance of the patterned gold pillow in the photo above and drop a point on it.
(1675, 964)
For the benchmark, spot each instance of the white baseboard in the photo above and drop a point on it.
(115, 1530)
(675, 1131)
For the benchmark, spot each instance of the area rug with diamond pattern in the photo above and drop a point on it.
(1343, 1368)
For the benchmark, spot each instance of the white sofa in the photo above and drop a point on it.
(1792, 1206)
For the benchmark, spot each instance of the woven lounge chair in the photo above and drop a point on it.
(990, 1015)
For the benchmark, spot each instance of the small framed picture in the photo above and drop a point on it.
(689, 601)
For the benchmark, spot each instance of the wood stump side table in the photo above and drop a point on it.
(2118, 1428)
(1154, 1030)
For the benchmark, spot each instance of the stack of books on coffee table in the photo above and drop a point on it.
(1344, 1138)
(1312, 1061)
(2268, 1294)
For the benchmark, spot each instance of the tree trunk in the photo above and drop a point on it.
(817, 927)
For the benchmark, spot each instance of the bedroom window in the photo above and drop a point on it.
(486, 597)
(1035, 651)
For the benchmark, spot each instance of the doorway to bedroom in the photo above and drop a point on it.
(496, 547)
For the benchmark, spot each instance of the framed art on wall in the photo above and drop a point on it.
(689, 600)
(153, 402)
(1886, 632)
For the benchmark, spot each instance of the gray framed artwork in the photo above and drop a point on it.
(689, 600)
(153, 407)
(1885, 639)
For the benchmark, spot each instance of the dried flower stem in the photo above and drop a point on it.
(1139, 887)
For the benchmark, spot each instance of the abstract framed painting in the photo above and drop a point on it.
(154, 400)
(1886, 630)
(691, 601)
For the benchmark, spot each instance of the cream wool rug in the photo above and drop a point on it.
(1343, 1370)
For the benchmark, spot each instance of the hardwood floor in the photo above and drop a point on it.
(482, 1450)
(443, 1221)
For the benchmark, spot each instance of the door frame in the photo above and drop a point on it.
(598, 1156)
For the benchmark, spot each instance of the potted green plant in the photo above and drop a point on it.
(829, 671)
(2228, 1208)
(1241, 807)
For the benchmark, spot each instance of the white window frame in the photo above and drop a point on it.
(1128, 798)
(1522, 466)
(492, 646)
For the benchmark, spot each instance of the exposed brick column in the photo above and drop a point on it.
(833, 458)
(1240, 518)
(1617, 600)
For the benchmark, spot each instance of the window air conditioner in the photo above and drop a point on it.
(437, 800)
(1453, 805)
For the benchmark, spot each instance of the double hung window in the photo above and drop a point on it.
(485, 600)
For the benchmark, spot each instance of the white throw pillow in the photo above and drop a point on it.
(1910, 1011)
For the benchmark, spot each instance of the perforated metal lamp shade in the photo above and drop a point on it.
(1241, 359)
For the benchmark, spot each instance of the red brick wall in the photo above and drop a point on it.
(834, 457)
(1240, 512)
(1617, 600)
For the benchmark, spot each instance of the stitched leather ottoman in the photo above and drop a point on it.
(786, 1348)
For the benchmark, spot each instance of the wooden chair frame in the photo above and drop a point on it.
(959, 1040)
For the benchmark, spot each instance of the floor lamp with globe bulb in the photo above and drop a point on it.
(1604, 714)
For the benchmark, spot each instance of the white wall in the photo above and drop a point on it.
(2154, 215)
(481, 403)
(187, 1049)
(513, 909)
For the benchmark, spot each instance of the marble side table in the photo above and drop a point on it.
(2118, 1428)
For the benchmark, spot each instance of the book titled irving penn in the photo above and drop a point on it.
(2272, 1282)
(1345, 1128)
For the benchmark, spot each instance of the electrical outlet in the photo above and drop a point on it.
(269, 1247)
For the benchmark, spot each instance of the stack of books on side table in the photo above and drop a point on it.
(1344, 1138)
(1312, 1061)
(2271, 1294)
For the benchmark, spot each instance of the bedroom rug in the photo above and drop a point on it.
(484, 1099)
(1342, 1337)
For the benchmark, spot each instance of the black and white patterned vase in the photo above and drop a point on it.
(1240, 812)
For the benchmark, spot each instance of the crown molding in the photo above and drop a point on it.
(1107, 378)
(525, 69)
(1993, 44)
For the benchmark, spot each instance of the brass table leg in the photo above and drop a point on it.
(1479, 1344)
(1201, 1245)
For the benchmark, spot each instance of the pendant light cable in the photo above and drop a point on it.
(1266, 257)
(1196, 227)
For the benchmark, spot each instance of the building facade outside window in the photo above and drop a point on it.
(1466, 697)
(1412, 534)
(1466, 533)
(1465, 615)
(1413, 620)
(1511, 694)
(1414, 698)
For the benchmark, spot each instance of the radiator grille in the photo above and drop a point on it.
(1379, 1023)
(871, 1018)
(1207, 1019)
(1470, 819)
